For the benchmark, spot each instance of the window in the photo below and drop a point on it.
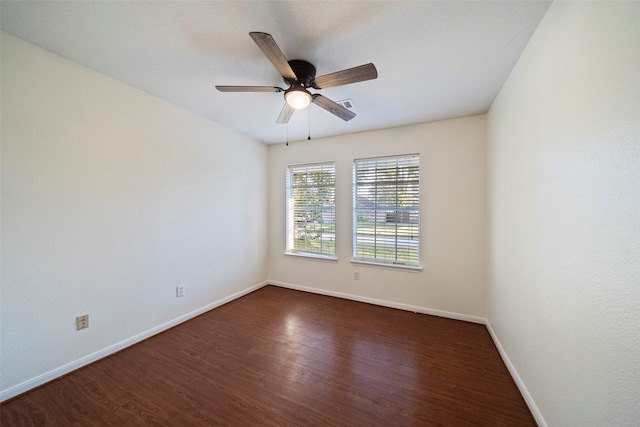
(311, 210)
(386, 210)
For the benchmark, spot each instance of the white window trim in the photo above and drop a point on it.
(312, 256)
(387, 265)
(380, 262)
(289, 251)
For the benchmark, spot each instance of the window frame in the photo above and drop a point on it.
(290, 209)
(374, 164)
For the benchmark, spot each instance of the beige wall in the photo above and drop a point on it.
(564, 222)
(452, 162)
(111, 198)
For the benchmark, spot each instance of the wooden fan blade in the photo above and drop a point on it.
(268, 46)
(285, 114)
(333, 107)
(249, 89)
(344, 77)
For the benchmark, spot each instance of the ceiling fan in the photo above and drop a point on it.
(300, 75)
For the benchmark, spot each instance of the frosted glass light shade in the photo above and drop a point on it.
(298, 99)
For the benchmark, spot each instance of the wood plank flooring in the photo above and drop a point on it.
(279, 357)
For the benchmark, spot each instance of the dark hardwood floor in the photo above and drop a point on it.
(279, 357)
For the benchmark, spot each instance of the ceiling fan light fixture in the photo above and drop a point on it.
(298, 99)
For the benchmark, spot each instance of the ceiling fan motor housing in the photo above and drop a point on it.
(305, 73)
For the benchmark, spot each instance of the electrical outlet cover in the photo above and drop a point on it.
(179, 290)
(82, 322)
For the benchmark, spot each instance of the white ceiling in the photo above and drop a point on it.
(435, 60)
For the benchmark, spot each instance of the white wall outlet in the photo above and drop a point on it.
(82, 322)
(356, 275)
(180, 290)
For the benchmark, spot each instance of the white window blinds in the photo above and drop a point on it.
(311, 211)
(386, 217)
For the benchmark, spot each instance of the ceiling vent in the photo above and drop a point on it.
(346, 103)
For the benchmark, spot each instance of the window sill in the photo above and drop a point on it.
(415, 268)
(314, 257)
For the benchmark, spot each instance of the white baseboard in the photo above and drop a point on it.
(83, 361)
(451, 315)
(72, 366)
(514, 374)
(385, 303)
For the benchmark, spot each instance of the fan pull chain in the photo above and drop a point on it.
(287, 134)
(309, 137)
